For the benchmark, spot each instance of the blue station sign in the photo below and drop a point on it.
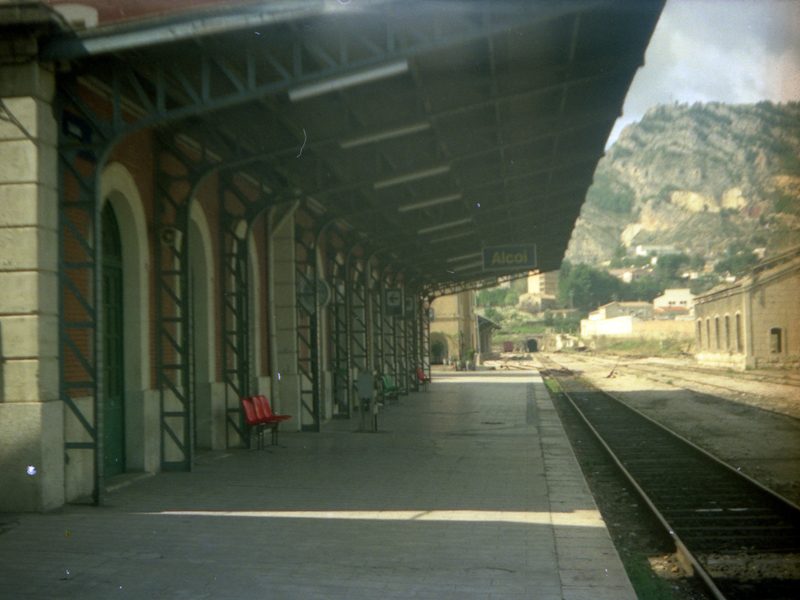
(520, 256)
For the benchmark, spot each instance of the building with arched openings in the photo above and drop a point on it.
(755, 321)
(206, 200)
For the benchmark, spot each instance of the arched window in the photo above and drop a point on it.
(699, 333)
(716, 333)
(727, 332)
(708, 333)
(739, 346)
(775, 340)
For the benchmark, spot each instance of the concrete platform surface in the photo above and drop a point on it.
(468, 491)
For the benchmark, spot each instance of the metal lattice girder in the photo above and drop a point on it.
(425, 337)
(235, 268)
(339, 346)
(358, 308)
(308, 358)
(388, 346)
(404, 353)
(506, 102)
(82, 143)
(175, 175)
(375, 316)
(200, 78)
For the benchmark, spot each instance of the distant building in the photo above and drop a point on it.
(657, 250)
(542, 284)
(630, 274)
(542, 292)
(641, 310)
(674, 303)
(754, 321)
(486, 327)
(453, 327)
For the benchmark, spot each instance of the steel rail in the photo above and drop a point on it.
(684, 554)
(683, 549)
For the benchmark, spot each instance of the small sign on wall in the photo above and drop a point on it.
(393, 302)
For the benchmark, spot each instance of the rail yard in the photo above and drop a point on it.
(739, 534)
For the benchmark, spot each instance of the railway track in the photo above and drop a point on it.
(737, 536)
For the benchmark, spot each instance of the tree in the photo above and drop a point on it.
(586, 288)
(644, 289)
(733, 265)
(491, 313)
(563, 272)
(697, 263)
(668, 267)
(620, 257)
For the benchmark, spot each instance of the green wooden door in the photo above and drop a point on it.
(114, 397)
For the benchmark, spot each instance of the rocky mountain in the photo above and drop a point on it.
(700, 177)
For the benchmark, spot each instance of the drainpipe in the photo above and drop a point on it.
(273, 324)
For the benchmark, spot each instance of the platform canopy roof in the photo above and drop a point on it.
(425, 131)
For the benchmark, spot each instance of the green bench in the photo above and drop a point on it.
(388, 389)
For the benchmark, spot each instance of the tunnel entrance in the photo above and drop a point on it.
(533, 345)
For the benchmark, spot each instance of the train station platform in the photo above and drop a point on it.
(468, 490)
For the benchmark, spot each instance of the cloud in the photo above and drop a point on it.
(739, 51)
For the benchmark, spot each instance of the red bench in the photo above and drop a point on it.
(423, 379)
(269, 418)
(253, 421)
(258, 415)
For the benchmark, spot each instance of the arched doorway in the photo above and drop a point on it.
(532, 345)
(440, 349)
(113, 346)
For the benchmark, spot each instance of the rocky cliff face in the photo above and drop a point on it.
(698, 177)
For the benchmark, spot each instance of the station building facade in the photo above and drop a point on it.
(755, 321)
(203, 301)
(453, 327)
(192, 212)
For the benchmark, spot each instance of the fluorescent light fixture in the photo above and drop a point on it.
(387, 134)
(378, 185)
(473, 265)
(447, 225)
(427, 203)
(317, 88)
(455, 236)
(464, 257)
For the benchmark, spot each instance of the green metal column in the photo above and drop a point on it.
(307, 329)
(235, 288)
(84, 140)
(338, 335)
(172, 196)
(357, 321)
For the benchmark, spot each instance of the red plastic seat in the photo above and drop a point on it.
(254, 420)
(423, 379)
(264, 411)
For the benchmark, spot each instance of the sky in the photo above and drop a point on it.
(732, 51)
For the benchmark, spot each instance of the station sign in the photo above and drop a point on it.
(410, 312)
(519, 256)
(393, 302)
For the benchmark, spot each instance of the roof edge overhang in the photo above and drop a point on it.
(33, 15)
(188, 24)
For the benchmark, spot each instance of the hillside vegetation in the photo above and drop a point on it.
(703, 178)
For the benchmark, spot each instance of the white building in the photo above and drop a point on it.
(675, 302)
(641, 310)
(657, 250)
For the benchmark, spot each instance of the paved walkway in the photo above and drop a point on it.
(469, 491)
